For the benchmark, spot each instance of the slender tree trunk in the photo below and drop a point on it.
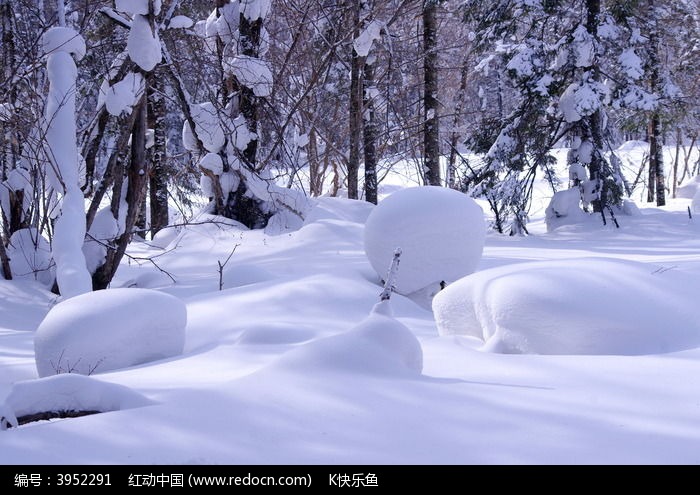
(651, 179)
(315, 177)
(355, 107)
(674, 184)
(158, 180)
(431, 129)
(370, 135)
(656, 160)
(594, 124)
(686, 158)
(454, 134)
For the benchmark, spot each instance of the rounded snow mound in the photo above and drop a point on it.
(689, 189)
(440, 231)
(63, 39)
(109, 329)
(377, 345)
(68, 392)
(578, 306)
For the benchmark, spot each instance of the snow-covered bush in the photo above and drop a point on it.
(63, 394)
(440, 231)
(109, 329)
(564, 208)
(577, 306)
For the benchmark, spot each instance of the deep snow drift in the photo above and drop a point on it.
(574, 306)
(278, 367)
(108, 330)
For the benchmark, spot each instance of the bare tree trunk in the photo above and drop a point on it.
(656, 160)
(431, 128)
(686, 158)
(674, 185)
(370, 135)
(454, 135)
(594, 129)
(158, 180)
(355, 107)
(651, 178)
(315, 177)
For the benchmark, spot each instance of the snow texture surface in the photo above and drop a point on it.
(137, 6)
(123, 95)
(143, 44)
(440, 231)
(371, 33)
(252, 73)
(255, 9)
(207, 127)
(213, 163)
(578, 306)
(63, 39)
(109, 329)
(689, 188)
(180, 22)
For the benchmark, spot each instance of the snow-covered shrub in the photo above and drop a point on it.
(65, 394)
(440, 231)
(564, 209)
(109, 329)
(576, 306)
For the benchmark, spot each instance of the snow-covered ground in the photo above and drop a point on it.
(268, 374)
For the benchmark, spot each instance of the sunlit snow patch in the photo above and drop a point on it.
(576, 306)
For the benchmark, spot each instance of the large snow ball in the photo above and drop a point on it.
(577, 306)
(108, 330)
(440, 231)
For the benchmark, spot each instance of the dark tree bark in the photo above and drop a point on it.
(355, 106)
(248, 102)
(593, 123)
(454, 135)
(5, 261)
(656, 160)
(158, 180)
(431, 128)
(370, 135)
